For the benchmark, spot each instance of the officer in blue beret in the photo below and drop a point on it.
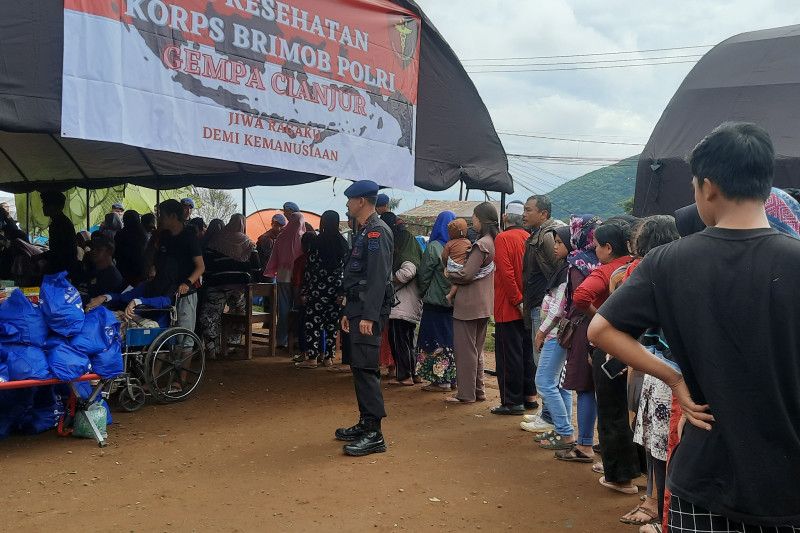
(368, 295)
(382, 205)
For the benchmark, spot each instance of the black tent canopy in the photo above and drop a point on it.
(455, 138)
(751, 77)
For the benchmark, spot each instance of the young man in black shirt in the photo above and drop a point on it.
(726, 299)
(178, 262)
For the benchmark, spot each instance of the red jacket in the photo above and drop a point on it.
(509, 249)
(595, 288)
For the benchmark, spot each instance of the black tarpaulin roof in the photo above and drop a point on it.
(752, 77)
(456, 139)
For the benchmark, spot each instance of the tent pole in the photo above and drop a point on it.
(502, 208)
(158, 197)
(244, 204)
(28, 214)
(460, 190)
(466, 197)
(88, 211)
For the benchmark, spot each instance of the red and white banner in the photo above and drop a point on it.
(321, 86)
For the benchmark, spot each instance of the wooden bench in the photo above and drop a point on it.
(246, 320)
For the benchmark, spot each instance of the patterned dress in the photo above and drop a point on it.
(320, 288)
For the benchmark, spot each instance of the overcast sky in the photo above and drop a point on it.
(611, 104)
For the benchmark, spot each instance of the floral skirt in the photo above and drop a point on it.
(435, 355)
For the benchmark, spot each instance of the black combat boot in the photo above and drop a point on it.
(351, 433)
(371, 441)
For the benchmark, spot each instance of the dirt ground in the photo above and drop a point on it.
(254, 451)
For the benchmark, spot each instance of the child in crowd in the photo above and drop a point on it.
(455, 251)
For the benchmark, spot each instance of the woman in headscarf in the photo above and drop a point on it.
(582, 260)
(405, 315)
(436, 361)
(214, 227)
(321, 284)
(228, 255)
(288, 247)
(474, 306)
(129, 245)
(111, 224)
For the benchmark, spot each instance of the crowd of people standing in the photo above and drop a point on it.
(659, 330)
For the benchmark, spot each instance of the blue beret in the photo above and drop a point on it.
(280, 219)
(362, 189)
(291, 206)
(117, 206)
(383, 200)
(188, 201)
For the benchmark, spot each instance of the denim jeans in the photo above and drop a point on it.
(548, 374)
(587, 416)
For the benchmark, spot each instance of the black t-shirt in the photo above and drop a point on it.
(92, 283)
(727, 301)
(63, 254)
(174, 261)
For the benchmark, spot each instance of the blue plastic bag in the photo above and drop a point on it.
(45, 410)
(100, 330)
(25, 362)
(108, 363)
(9, 333)
(67, 363)
(61, 305)
(19, 312)
(13, 406)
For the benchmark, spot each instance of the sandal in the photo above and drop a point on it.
(652, 527)
(453, 399)
(652, 516)
(598, 468)
(633, 489)
(573, 455)
(436, 388)
(543, 435)
(555, 442)
(404, 383)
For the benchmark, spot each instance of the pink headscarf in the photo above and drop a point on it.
(287, 246)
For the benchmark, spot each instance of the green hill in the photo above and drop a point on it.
(600, 192)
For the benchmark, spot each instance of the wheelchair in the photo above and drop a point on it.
(165, 364)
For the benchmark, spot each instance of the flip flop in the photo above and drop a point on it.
(453, 399)
(573, 455)
(597, 468)
(401, 383)
(556, 442)
(624, 490)
(647, 512)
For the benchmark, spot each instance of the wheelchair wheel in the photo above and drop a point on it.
(174, 365)
(131, 397)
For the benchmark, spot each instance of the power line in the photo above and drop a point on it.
(580, 68)
(562, 63)
(532, 136)
(591, 54)
(538, 179)
(566, 158)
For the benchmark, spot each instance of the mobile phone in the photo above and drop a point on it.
(614, 368)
